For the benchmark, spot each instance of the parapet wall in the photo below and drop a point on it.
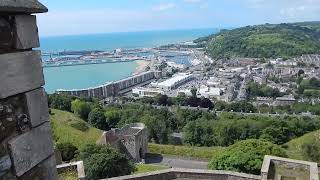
(26, 146)
(172, 174)
(294, 168)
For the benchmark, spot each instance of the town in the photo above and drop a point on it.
(262, 82)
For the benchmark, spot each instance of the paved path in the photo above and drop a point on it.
(176, 162)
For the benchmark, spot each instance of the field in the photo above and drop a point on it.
(201, 153)
(69, 128)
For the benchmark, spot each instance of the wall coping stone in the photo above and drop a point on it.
(22, 6)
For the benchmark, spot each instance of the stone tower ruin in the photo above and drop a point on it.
(26, 146)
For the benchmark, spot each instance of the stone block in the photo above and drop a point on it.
(6, 33)
(31, 148)
(5, 165)
(46, 170)
(37, 107)
(25, 32)
(20, 72)
(13, 117)
(22, 6)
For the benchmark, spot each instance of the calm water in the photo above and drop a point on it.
(84, 76)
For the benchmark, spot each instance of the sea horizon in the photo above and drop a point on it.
(138, 31)
(125, 40)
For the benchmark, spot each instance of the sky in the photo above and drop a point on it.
(72, 17)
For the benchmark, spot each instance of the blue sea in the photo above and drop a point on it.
(85, 76)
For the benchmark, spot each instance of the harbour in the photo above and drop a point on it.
(67, 65)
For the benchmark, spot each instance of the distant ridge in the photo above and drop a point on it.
(284, 40)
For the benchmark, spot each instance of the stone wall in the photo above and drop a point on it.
(172, 174)
(26, 146)
(294, 168)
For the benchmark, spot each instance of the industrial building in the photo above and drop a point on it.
(174, 82)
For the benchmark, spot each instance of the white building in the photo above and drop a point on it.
(209, 92)
(204, 91)
(174, 82)
(147, 92)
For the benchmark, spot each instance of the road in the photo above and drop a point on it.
(176, 162)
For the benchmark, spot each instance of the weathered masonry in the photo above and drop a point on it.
(26, 147)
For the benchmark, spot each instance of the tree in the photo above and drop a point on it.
(206, 103)
(278, 133)
(102, 161)
(162, 100)
(97, 119)
(157, 129)
(194, 92)
(60, 101)
(300, 72)
(80, 108)
(245, 156)
(112, 118)
(193, 101)
(220, 105)
(67, 150)
(199, 133)
(241, 106)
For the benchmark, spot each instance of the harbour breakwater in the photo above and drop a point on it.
(112, 89)
(82, 62)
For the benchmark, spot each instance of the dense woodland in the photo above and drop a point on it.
(264, 41)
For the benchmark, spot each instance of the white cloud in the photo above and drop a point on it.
(301, 9)
(164, 7)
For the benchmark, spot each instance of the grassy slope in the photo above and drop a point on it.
(203, 153)
(294, 146)
(62, 130)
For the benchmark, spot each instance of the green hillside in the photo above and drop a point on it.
(265, 41)
(201, 153)
(294, 147)
(69, 128)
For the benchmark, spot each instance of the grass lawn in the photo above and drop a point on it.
(63, 131)
(144, 168)
(294, 147)
(201, 153)
(69, 175)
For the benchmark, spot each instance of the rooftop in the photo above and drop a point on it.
(174, 79)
